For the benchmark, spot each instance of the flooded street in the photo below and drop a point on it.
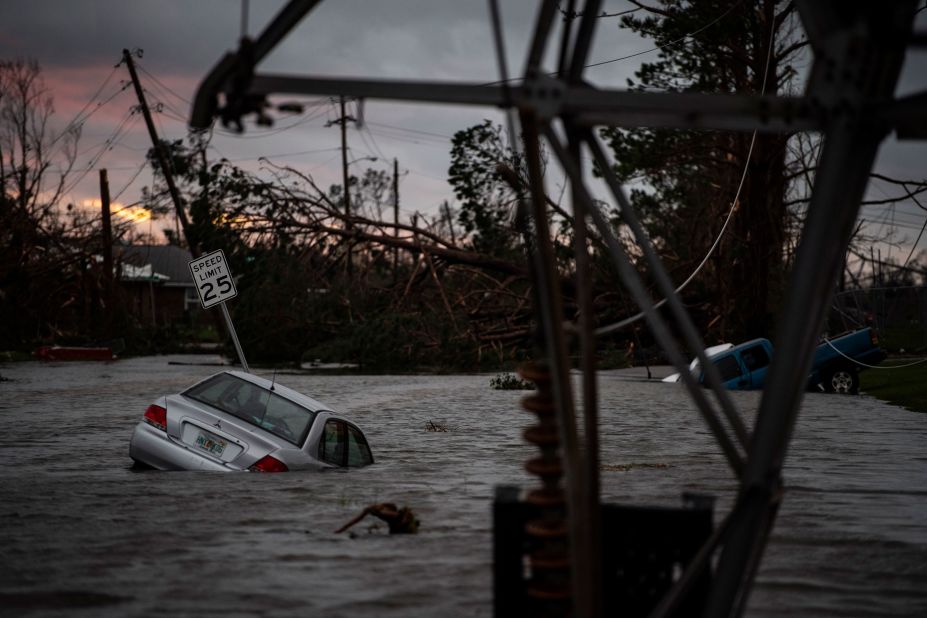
(82, 534)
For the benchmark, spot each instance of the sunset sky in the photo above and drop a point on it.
(78, 42)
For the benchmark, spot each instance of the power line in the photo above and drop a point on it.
(131, 180)
(77, 118)
(418, 131)
(914, 246)
(310, 112)
(283, 154)
(375, 147)
(906, 226)
(163, 135)
(121, 168)
(408, 140)
(104, 148)
(324, 163)
(911, 364)
(99, 106)
(640, 53)
(417, 135)
(424, 175)
(161, 104)
(901, 218)
(180, 116)
(162, 84)
(626, 322)
(173, 116)
(671, 43)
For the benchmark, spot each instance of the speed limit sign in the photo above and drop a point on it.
(213, 279)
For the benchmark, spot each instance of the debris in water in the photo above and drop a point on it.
(400, 521)
(631, 466)
(432, 426)
(510, 382)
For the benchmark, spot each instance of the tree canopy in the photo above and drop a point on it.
(686, 181)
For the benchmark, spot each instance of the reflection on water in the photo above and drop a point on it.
(82, 534)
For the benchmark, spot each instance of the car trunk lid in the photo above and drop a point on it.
(215, 434)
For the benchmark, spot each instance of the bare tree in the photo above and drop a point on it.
(34, 161)
(47, 270)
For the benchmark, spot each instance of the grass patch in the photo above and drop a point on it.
(898, 338)
(906, 386)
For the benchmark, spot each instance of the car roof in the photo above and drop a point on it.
(280, 389)
(752, 342)
(710, 352)
(717, 349)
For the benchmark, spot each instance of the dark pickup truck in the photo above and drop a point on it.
(836, 366)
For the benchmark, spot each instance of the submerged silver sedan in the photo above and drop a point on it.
(239, 421)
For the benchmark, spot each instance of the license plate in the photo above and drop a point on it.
(211, 444)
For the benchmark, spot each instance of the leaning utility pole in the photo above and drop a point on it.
(164, 162)
(160, 153)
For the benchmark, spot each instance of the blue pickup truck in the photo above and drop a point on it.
(836, 365)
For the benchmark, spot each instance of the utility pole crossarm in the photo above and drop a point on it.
(234, 65)
(590, 106)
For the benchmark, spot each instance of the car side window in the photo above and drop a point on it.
(332, 446)
(358, 451)
(755, 357)
(728, 367)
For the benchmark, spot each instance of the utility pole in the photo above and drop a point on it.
(395, 218)
(446, 213)
(172, 188)
(346, 177)
(161, 154)
(107, 241)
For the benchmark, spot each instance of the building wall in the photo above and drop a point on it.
(156, 304)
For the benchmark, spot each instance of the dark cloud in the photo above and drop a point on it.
(77, 42)
(70, 34)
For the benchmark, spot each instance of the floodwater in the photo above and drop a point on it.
(81, 534)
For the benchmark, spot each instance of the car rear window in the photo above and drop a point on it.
(256, 405)
(728, 367)
(755, 358)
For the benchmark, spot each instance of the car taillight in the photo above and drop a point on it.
(873, 336)
(156, 416)
(268, 464)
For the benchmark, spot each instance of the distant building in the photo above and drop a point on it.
(156, 282)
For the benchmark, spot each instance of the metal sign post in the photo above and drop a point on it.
(215, 285)
(228, 322)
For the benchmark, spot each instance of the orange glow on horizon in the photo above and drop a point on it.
(132, 212)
